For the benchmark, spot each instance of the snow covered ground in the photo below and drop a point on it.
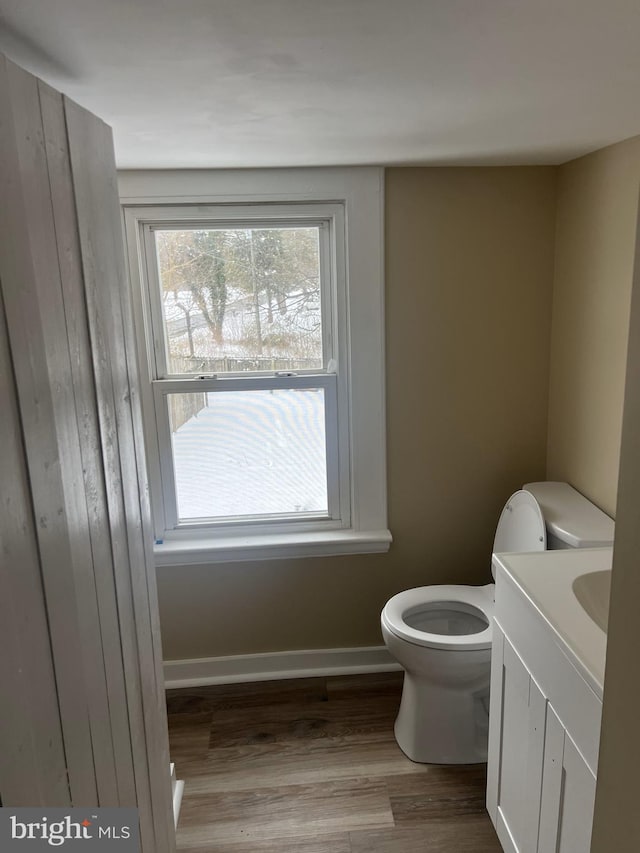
(252, 453)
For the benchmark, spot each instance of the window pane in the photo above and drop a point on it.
(240, 299)
(249, 453)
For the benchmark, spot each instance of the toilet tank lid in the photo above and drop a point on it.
(571, 517)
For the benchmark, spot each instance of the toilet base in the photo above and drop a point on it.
(440, 725)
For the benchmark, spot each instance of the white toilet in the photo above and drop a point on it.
(441, 635)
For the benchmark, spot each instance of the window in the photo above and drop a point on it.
(249, 358)
(244, 364)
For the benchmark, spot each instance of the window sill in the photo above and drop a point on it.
(270, 547)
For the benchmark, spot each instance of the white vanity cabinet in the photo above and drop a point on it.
(543, 733)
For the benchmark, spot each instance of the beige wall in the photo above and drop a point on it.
(594, 267)
(469, 276)
(617, 819)
(597, 208)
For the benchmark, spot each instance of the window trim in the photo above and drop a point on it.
(359, 192)
(155, 370)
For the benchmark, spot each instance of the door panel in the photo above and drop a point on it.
(521, 750)
(579, 792)
(85, 515)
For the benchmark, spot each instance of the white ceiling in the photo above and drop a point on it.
(233, 83)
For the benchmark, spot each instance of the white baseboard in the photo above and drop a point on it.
(271, 666)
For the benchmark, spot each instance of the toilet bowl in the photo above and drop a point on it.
(441, 635)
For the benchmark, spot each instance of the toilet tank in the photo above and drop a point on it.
(571, 520)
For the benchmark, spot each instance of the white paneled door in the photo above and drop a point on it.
(82, 719)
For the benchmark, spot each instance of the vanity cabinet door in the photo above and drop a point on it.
(552, 781)
(568, 794)
(578, 800)
(516, 749)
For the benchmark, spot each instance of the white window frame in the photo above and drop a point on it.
(348, 202)
(330, 221)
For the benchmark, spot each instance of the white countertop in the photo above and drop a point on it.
(546, 578)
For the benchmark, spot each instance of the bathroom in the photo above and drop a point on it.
(536, 393)
(507, 308)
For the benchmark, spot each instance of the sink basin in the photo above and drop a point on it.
(569, 589)
(592, 591)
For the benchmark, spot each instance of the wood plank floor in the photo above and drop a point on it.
(311, 766)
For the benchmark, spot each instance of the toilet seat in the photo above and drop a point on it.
(521, 528)
(474, 601)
